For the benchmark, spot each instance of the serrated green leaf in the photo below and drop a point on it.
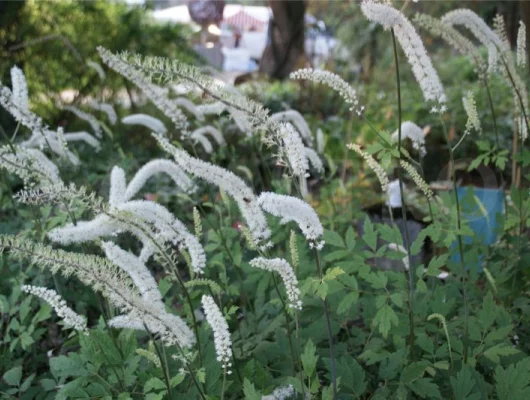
(463, 385)
(413, 371)
(333, 239)
(436, 263)
(369, 234)
(309, 358)
(154, 383)
(513, 382)
(425, 388)
(502, 349)
(250, 391)
(13, 376)
(347, 301)
(385, 318)
(350, 239)
(333, 273)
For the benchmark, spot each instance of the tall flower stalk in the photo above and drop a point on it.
(410, 272)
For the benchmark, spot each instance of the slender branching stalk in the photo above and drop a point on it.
(459, 240)
(328, 325)
(404, 210)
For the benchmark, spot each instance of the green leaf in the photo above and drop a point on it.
(501, 349)
(13, 376)
(463, 385)
(350, 239)
(347, 301)
(333, 239)
(385, 318)
(369, 234)
(488, 312)
(48, 384)
(27, 382)
(309, 358)
(250, 391)
(436, 263)
(413, 371)
(513, 382)
(333, 273)
(425, 388)
(498, 334)
(327, 393)
(336, 255)
(176, 380)
(154, 383)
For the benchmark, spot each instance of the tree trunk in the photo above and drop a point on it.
(286, 38)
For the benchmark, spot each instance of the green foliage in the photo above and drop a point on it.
(395, 333)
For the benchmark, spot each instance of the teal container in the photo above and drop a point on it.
(480, 208)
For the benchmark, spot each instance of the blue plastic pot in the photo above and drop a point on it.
(480, 207)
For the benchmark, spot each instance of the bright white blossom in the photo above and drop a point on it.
(409, 130)
(287, 274)
(480, 30)
(320, 141)
(98, 68)
(455, 39)
(473, 121)
(335, 82)
(50, 296)
(298, 121)
(31, 165)
(229, 182)
(213, 132)
(521, 44)
(146, 120)
(372, 164)
(20, 88)
(106, 108)
(136, 269)
(314, 159)
(190, 107)
(157, 95)
(281, 393)
(500, 53)
(84, 137)
(293, 150)
(199, 135)
(221, 334)
(412, 45)
(150, 222)
(290, 208)
(418, 180)
(159, 166)
(94, 123)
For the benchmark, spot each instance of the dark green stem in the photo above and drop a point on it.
(404, 210)
(328, 326)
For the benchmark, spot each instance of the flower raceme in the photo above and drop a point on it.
(287, 274)
(412, 45)
(69, 316)
(233, 185)
(335, 82)
(154, 93)
(222, 341)
(409, 130)
(150, 222)
(174, 329)
(372, 164)
(146, 120)
(290, 208)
